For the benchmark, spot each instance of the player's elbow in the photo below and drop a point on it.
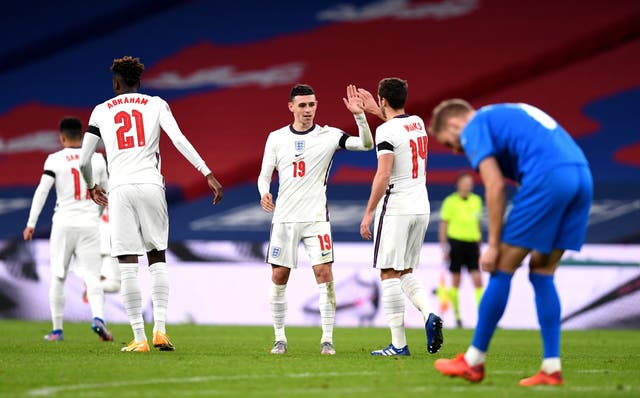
(384, 176)
(494, 185)
(83, 161)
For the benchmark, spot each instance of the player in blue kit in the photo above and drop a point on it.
(549, 215)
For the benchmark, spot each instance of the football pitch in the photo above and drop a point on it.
(228, 361)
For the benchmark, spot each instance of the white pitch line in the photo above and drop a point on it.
(594, 371)
(51, 390)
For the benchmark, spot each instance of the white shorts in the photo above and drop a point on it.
(138, 218)
(286, 237)
(82, 243)
(398, 240)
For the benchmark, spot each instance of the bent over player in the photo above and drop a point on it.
(74, 229)
(549, 215)
(302, 153)
(400, 202)
(129, 124)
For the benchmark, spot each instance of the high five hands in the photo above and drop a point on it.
(354, 101)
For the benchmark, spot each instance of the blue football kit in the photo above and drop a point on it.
(551, 207)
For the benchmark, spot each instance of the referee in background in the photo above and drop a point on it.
(460, 237)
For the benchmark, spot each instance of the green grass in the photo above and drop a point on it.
(234, 362)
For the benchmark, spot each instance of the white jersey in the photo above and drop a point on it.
(129, 125)
(74, 207)
(406, 138)
(303, 160)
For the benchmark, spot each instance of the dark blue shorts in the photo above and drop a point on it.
(551, 210)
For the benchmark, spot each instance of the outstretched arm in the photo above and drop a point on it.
(39, 199)
(182, 144)
(354, 104)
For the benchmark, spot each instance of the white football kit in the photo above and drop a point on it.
(303, 160)
(129, 125)
(74, 230)
(402, 215)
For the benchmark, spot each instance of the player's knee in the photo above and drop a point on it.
(156, 256)
(323, 273)
(280, 275)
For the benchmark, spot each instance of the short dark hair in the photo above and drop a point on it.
(71, 127)
(301, 89)
(394, 90)
(462, 174)
(129, 68)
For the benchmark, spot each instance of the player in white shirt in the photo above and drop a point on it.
(74, 229)
(401, 204)
(110, 270)
(129, 125)
(302, 153)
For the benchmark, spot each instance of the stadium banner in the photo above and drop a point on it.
(215, 282)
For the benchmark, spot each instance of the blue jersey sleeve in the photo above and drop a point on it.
(477, 141)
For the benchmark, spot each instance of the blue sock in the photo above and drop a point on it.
(548, 307)
(492, 305)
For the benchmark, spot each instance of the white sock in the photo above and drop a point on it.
(474, 356)
(159, 295)
(95, 294)
(278, 310)
(393, 306)
(111, 272)
(132, 299)
(413, 288)
(551, 365)
(56, 301)
(327, 304)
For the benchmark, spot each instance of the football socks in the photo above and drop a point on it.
(278, 303)
(414, 290)
(491, 308)
(132, 299)
(548, 308)
(159, 295)
(56, 301)
(393, 307)
(327, 304)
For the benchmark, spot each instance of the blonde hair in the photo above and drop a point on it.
(445, 110)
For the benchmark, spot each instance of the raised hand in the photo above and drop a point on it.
(353, 102)
(370, 104)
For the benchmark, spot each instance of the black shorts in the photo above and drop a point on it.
(463, 254)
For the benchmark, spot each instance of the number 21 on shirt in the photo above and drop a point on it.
(418, 149)
(126, 140)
